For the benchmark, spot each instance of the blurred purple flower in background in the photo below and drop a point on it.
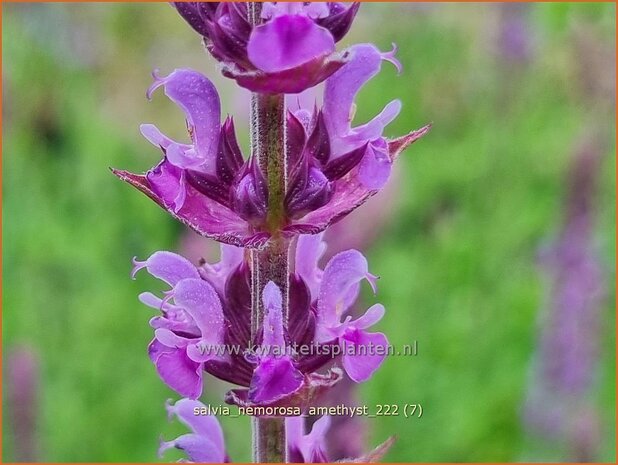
(557, 407)
(22, 389)
(516, 38)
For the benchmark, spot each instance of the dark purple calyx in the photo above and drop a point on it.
(236, 184)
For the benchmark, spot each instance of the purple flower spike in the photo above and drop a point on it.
(205, 444)
(307, 169)
(275, 377)
(307, 448)
(293, 49)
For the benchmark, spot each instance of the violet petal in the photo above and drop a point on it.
(375, 167)
(340, 285)
(200, 213)
(199, 449)
(167, 266)
(274, 379)
(309, 250)
(288, 81)
(287, 42)
(198, 98)
(360, 364)
(201, 301)
(176, 369)
(204, 425)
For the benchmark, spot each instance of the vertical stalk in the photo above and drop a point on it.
(268, 144)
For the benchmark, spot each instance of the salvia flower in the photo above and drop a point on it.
(319, 300)
(206, 184)
(334, 167)
(292, 49)
(275, 376)
(205, 325)
(192, 322)
(339, 95)
(310, 447)
(335, 289)
(205, 444)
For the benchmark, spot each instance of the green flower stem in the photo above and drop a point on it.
(268, 145)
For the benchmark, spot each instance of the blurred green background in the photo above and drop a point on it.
(512, 91)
